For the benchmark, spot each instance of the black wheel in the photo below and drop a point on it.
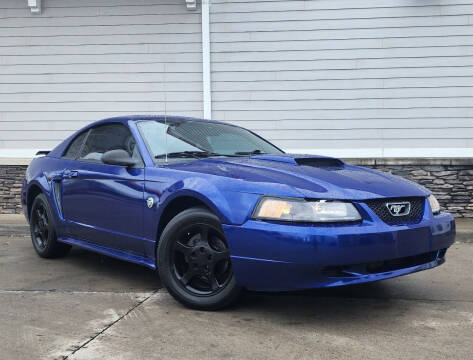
(43, 232)
(194, 261)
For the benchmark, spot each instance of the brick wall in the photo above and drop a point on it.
(11, 178)
(450, 180)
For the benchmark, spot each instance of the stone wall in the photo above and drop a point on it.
(451, 180)
(11, 179)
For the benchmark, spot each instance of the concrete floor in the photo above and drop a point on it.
(86, 306)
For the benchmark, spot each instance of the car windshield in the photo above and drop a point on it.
(197, 139)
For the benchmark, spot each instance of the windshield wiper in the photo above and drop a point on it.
(192, 154)
(187, 154)
(254, 152)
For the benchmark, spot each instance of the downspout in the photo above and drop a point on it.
(206, 76)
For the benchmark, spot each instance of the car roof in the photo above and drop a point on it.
(127, 118)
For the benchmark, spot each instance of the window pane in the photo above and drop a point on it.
(74, 147)
(179, 136)
(155, 134)
(107, 137)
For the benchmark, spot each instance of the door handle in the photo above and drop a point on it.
(68, 174)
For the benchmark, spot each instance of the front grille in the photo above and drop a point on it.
(379, 207)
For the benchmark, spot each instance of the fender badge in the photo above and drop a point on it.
(150, 202)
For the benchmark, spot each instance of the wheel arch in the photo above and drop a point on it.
(34, 189)
(177, 205)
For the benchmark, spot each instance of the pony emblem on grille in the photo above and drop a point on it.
(399, 209)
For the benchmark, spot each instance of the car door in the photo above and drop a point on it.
(103, 204)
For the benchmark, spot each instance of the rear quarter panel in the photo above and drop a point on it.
(39, 173)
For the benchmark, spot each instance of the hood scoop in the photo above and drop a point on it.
(303, 160)
(320, 162)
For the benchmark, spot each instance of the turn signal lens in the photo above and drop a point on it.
(272, 208)
(434, 205)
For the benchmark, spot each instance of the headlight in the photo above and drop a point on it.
(299, 210)
(434, 205)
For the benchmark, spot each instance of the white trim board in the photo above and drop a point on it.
(23, 156)
(389, 152)
(18, 153)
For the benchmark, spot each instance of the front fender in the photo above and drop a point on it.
(231, 207)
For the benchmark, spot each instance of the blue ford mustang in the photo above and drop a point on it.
(217, 209)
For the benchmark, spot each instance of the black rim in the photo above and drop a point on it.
(40, 226)
(200, 260)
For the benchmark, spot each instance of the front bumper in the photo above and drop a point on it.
(276, 257)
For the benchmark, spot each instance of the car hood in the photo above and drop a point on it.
(311, 176)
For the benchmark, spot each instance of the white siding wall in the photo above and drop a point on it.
(80, 61)
(347, 78)
(341, 77)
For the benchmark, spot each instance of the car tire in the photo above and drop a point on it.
(43, 230)
(186, 247)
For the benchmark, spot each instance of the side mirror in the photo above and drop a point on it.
(118, 157)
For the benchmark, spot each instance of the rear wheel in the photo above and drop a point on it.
(42, 228)
(194, 261)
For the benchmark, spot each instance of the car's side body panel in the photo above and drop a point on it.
(104, 204)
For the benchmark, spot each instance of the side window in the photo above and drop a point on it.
(108, 137)
(72, 151)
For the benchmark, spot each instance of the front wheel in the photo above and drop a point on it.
(194, 261)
